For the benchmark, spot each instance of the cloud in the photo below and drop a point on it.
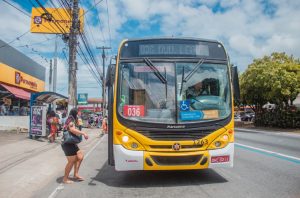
(248, 29)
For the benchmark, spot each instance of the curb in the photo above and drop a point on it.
(282, 133)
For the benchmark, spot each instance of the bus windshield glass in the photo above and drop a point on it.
(173, 92)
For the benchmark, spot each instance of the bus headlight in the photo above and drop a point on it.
(128, 142)
(222, 140)
(125, 138)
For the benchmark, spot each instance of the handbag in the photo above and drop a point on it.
(70, 138)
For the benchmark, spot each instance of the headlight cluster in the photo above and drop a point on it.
(128, 142)
(222, 140)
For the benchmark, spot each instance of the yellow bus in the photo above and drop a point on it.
(170, 105)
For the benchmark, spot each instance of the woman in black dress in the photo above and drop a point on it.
(73, 153)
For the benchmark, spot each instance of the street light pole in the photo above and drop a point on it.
(103, 76)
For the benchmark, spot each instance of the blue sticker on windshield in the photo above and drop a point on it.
(191, 115)
(184, 105)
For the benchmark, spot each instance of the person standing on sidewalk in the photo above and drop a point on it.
(73, 153)
(53, 122)
(104, 125)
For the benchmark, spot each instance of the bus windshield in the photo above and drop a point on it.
(173, 92)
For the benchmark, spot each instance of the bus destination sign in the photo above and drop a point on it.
(173, 49)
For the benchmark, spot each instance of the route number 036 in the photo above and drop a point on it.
(134, 110)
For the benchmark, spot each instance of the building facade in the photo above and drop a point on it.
(19, 77)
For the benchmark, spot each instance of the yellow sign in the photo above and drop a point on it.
(54, 21)
(20, 79)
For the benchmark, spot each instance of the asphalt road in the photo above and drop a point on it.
(266, 165)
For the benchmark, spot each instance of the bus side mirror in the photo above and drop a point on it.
(235, 82)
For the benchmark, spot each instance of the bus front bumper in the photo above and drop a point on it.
(126, 160)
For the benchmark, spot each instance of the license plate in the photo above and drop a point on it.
(220, 159)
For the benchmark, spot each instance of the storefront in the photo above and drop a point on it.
(19, 77)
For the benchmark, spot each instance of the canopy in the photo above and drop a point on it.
(46, 97)
(19, 93)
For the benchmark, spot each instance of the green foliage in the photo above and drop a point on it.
(274, 79)
(282, 118)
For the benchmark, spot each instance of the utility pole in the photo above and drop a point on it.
(72, 56)
(55, 65)
(50, 76)
(103, 77)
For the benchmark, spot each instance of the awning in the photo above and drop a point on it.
(47, 97)
(19, 93)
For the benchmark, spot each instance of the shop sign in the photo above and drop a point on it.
(54, 20)
(82, 99)
(20, 79)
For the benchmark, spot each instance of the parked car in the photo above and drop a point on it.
(247, 116)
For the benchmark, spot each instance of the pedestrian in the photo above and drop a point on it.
(73, 153)
(104, 125)
(3, 110)
(53, 122)
(79, 123)
(99, 121)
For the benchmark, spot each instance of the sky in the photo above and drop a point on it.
(248, 29)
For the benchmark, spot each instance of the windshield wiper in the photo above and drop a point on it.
(155, 70)
(188, 77)
(197, 66)
(182, 79)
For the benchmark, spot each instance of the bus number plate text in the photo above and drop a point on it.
(220, 159)
(134, 111)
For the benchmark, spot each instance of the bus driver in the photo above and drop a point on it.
(195, 90)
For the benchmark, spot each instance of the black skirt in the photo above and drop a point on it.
(70, 149)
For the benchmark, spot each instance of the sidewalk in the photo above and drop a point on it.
(27, 165)
(250, 127)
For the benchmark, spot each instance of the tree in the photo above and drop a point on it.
(274, 79)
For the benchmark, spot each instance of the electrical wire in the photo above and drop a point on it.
(17, 38)
(59, 27)
(104, 40)
(85, 60)
(37, 43)
(108, 25)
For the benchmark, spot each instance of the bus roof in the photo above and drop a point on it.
(172, 38)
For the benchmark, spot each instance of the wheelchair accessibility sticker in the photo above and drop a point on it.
(184, 105)
(191, 115)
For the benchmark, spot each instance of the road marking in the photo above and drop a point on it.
(269, 153)
(58, 188)
(94, 147)
(61, 186)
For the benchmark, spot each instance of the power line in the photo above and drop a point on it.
(85, 60)
(108, 23)
(100, 24)
(37, 42)
(90, 8)
(48, 16)
(17, 8)
(17, 38)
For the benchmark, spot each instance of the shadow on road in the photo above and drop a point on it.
(141, 179)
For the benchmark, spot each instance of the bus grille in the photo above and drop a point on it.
(170, 146)
(176, 160)
(176, 135)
